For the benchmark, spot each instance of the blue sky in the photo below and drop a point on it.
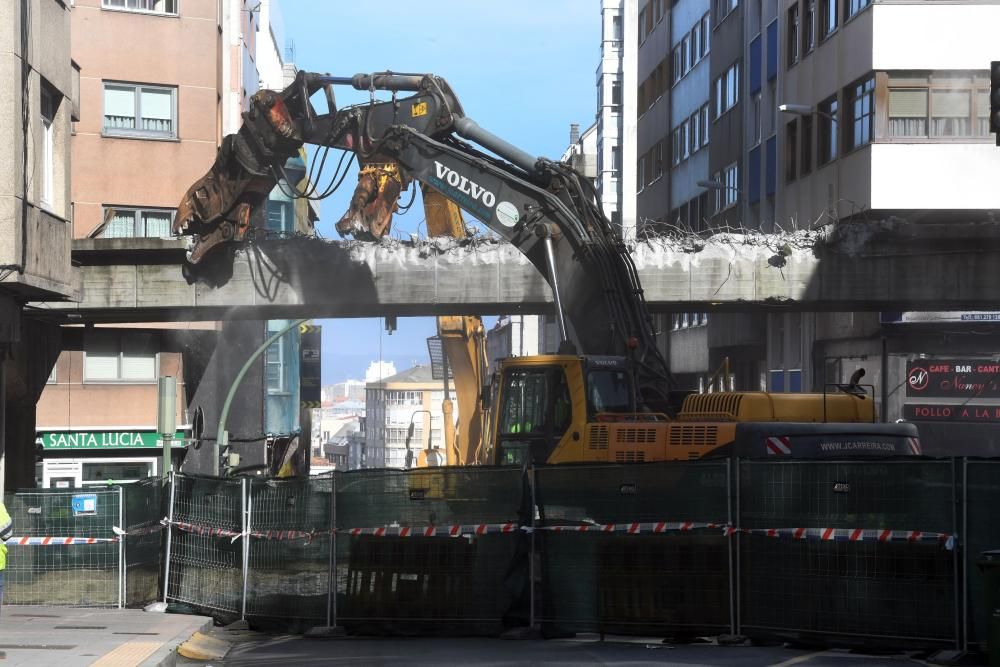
(522, 69)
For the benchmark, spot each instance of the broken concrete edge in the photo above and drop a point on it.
(166, 655)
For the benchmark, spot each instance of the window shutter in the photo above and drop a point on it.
(119, 107)
(101, 366)
(950, 103)
(138, 358)
(907, 103)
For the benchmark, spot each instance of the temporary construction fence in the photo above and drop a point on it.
(845, 552)
(93, 547)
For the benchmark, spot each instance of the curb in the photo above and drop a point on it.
(166, 655)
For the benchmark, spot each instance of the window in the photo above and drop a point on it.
(642, 25)
(657, 160)
(616, 95)
(724, 7)
(139, 111)
(399, 397)
(695, 124)
(657, 10)
(793, 34)
(809, 27)
(126, 222)
(616, 28)
(705, 34)
(908, 112)
(704, 125)
(609, 391)
(640, 174)
(675, 147)
(277, 358)
(616, 161)
(649, 18)
(806, 140)
(855, 6)
(861, 110)
(110, 356)
(731, 184)
(755, 120)
(49, 105)
(678, 63)
(827, 18)
(827, 138)
(950, 113)
(686, 53)
(727, 90)
(685, 129)
(696, 47)
(945, 105)
(791, 150)
(154, 6)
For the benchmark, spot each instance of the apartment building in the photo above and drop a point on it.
(153, 109)
(887, 117)
(392, 404)
(40, 101)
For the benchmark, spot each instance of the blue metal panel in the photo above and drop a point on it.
(771, 165)
(772, 50)
(755, 65)
(753, 173)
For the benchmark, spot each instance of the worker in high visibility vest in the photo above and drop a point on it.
(6, 531)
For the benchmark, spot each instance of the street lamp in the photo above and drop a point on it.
(805, 110)
(409, 436)
(810, 110)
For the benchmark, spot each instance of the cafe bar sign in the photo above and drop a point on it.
(65, 440)
(953, 378)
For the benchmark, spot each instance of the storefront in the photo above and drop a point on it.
(74, 459)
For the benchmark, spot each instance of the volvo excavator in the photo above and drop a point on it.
(607, 395)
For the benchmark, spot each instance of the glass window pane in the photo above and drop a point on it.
(119, 107)
(120, 224)
(156, 224)
(950, 110)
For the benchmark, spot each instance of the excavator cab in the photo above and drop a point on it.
(543, 405)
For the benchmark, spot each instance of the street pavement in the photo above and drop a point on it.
(254, 650)
(68, 637)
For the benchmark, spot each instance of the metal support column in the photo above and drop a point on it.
(245, 537)
(121, 549)
(954, 554)
(965, 570)
(170, 532)
(729, 522)
(532, 552)
(737, 537)
(331, 572)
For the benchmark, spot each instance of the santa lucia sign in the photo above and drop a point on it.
(64, 440)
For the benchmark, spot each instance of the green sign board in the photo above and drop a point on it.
(63, 440)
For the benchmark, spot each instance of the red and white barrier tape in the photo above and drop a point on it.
(850, 535)
(55, 540)
(635, 527)
(455, 530)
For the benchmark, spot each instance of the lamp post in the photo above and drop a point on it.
(811, 110)
(409, 435)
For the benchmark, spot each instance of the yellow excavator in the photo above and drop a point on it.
(607, 395)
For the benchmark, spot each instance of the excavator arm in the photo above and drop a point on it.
(545, 209)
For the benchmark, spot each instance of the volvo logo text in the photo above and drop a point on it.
(464, 185)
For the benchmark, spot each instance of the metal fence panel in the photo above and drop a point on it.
(670, 583)
(430, 585)
(290, 522)
(145, 507)
(842, 589)
(981, 533)
(85, 575)
(206, 554)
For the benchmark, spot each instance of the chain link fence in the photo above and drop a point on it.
(839, 550)
(288, 568)
(205, 553)
(431, 551)
(65, 550)
(836, 551)
(635, 548)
